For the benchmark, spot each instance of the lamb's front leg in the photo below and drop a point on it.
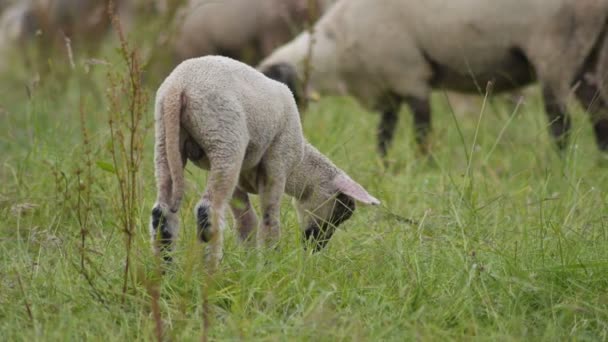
(271, 191)
(244, 216)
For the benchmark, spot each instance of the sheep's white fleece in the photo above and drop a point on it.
(404, 48)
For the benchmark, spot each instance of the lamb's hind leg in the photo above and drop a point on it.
(244, 216)
(271, 191)
(164, 223)
(222, 180)
(271, 185)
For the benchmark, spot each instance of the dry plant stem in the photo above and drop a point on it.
(28, 308)
(127, 135)
(68, 46)
(94, 291)
(158, 322)
(84, 189)
(123, 201)
(210, 270)
(206, 313)
(308, 60)
(468, 173)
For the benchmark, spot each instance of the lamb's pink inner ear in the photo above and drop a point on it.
(351, 188)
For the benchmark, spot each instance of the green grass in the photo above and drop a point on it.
(508, 242)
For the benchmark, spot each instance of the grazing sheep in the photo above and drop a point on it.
(15, 22)
(84, 21)
(244, 128)
(400, 51)
(242, 29)
(4, 4)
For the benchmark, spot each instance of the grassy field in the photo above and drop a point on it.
(494, 237)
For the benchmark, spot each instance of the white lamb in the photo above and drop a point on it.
(228, 118)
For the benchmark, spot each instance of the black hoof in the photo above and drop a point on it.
(203, 224)
(159, 224)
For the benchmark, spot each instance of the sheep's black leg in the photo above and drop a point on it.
(600, 127)
(421, 109)
(386, 130)
(388, 122)
(559, 120)
(590, 98)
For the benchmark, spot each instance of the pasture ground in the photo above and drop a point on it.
(494, 237)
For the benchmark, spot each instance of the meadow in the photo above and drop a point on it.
(494, 236)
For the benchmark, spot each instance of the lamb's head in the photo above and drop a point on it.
(325, 198)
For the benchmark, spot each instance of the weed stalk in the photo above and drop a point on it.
(127, 101)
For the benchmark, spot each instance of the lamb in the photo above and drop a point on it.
(228, 118)
(398, 52)
(242, 29)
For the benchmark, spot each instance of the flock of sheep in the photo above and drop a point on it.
(233, 120)
(241, 29)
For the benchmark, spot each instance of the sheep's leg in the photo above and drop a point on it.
(591, 99)
(388, 122)
(164, 226)
(271, 191)
(164, 223)
(244, 215)
(209, 211)
(559, 120)
(421, 109)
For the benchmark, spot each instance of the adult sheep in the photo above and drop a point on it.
(49, 21)
(399, 51)
(243, 29)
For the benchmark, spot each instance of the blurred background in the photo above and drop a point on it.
(36, 33)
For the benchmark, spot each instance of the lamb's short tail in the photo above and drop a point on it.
(172, 105)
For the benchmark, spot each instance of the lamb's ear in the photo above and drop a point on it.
(349, 187)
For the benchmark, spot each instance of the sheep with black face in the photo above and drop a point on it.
(228, 118)
(397, 52)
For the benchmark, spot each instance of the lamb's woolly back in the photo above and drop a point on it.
(224, 75)
(232, 85)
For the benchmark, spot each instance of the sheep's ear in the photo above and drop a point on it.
(349, 187)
